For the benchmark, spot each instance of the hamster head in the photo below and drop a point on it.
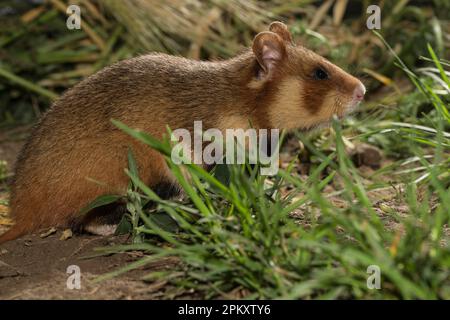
(304, 90)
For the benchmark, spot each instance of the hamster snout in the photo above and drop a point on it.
(358, 93)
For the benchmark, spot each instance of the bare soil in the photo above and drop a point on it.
(36, 268)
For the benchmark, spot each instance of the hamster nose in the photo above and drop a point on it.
(359, 92)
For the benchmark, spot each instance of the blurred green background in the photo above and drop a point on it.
(40, 57)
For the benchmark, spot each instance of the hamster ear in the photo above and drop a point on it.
(282, 30)
(269, 50)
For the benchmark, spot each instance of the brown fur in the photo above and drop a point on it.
(75, 143)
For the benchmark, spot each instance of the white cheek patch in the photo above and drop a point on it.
(288, 110)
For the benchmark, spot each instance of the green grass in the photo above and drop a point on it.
(288, 237)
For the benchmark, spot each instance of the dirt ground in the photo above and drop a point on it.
(35, 267)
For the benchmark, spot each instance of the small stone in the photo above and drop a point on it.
(367, 155)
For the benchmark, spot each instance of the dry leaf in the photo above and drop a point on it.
(3, 209)
(378, 76)
(48, 233)
(5, 222)
(67, 234)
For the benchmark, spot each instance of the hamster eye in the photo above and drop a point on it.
(320, 74)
